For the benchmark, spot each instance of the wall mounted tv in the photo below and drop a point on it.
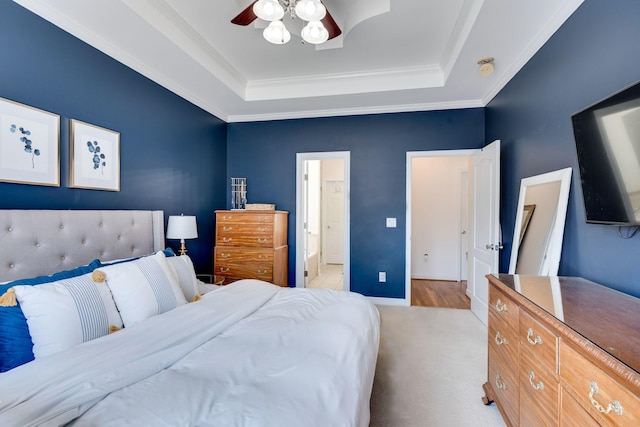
(607, 137)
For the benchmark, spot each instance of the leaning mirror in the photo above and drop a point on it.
(539, 227)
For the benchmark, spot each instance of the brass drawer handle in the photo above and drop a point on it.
(224, 270)
(223, 255)
(261, 229)
(536, 341)
(539, 386)
(500, 384)
(262, 240)
(500, 340)
(227, 217)
(263, 256)
(262, 218)
(227, 239)
(227, 228)
(262, 272)
(500, 306)
(613, 406)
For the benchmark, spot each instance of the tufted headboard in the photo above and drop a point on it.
(42, 242)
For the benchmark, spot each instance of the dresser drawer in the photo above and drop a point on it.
(572, 414)
(539, 341)
(245, 271)
(504, 383)
(604, 398)
(539, 392)
(252, 235)
(503, 339)
(243, 218)
(225, 254)
(503, 307)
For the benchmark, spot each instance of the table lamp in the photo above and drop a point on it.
(182, 227)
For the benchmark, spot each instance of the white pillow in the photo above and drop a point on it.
(185, 274)
(143, 288)
(66, 313)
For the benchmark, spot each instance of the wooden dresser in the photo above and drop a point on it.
(252, 245)
(563, 351)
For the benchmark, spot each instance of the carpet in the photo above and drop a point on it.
(431, 367)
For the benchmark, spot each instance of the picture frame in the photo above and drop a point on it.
(526, 218)
(29, 145)
(95, 157)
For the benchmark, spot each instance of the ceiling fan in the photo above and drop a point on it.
(320, 28)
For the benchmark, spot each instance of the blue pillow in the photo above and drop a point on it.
(16, 347)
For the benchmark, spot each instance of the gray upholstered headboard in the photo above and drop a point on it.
(42, 242)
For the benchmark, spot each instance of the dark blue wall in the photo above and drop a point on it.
(595, 53)
(265, 153)
(172, 153)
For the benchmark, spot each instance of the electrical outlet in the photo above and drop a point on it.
(382, 277)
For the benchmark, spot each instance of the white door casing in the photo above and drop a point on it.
(484, 226)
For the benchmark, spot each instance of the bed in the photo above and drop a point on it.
(246, 354)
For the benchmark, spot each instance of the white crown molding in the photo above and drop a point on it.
(467, 18)
(357, 111)
(419, 77)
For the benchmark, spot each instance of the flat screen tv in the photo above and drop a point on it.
(607, 137)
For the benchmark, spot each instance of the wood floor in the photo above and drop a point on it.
(437, 293)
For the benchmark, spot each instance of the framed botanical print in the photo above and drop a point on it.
(29, 145)
(95, 157)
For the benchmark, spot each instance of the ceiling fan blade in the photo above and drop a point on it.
(245, 17)
(331, 26)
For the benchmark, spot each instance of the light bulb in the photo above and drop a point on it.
(269, 10)
(310, 10)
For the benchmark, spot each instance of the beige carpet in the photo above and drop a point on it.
(431, 367)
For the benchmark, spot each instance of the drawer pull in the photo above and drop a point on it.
(536, 341)
(500, 306)
(224, 270)
(262, 272)
(500, 384)
(262, 229)
(227, 217)
(539, 386)
(263, 256)
(227, 239)
(223, 255)
(227, 228)
(262, 218)
(262, 240)
(613, 406)
(500, 340)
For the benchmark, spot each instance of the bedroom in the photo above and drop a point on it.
(179, 146)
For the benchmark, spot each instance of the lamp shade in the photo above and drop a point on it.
(315, 33)
(310, 10)
(269, 10)
(276, 33)
(182, 227)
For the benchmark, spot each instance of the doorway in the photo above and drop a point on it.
(482, 231)
(322, 220)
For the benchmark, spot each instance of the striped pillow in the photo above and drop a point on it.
(66, 313)
(143, 288)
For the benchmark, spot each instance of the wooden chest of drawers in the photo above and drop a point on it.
(252, 245)
(563, 351)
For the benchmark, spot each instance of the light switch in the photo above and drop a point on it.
(391, 223)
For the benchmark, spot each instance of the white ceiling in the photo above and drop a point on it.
(393, 55)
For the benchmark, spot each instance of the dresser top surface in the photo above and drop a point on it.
(608, 318)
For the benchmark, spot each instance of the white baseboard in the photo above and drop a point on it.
(389, 301)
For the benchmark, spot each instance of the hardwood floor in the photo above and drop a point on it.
(439, 293)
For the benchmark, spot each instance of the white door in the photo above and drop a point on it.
(464, 224)
(305, 201)
(333, 222)
(484, 226)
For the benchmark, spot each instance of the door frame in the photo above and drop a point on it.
(345, 156)
(410, 156)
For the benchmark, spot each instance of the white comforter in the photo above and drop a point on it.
(248, 354)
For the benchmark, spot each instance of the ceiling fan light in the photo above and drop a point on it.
(315, 33)
(310, 10)
(269, 10)
(276, 33)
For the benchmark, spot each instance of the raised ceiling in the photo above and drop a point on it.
(393, 55)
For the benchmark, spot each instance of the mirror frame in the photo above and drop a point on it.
(554, 247)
